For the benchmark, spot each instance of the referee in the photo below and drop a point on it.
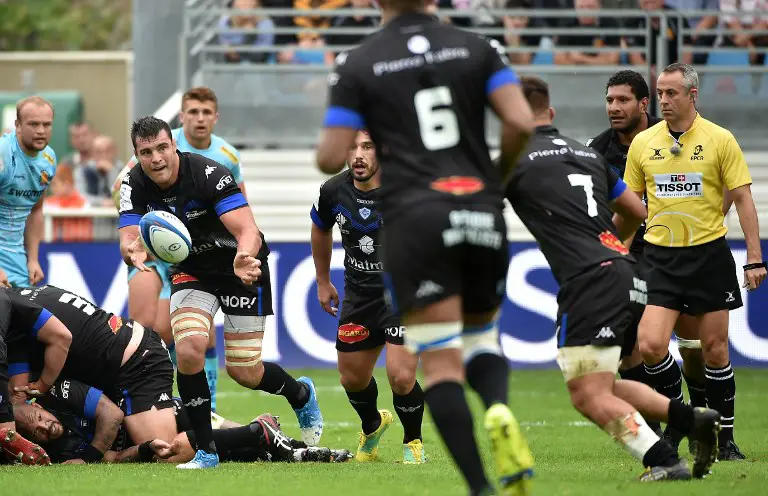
(684, 165)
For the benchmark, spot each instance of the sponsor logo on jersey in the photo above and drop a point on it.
(208, 170)
(396, 331)
(125, 196)
(45, 179)
(26, 193)
(657, 154)
(48, 157)
(366, 245)
(697, 153)
(115, 323)
(365, 202)
(239, 301)
(428, 288)
(194, 214)
(678, 185)
(181, 278)
(352, 333)
(223, 182)
(365, 213)
(605, 333)
(610, 241)
(458, 185)
(365, 265)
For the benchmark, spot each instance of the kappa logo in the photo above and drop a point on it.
(340, 219)
(365, 213)
(428, 288)
(605, 333)
(729, 296)
(208, 170)
(164, 397)
(657, 154)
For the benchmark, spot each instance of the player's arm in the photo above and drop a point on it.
(508, 101)
(143, 453)
(343, 117)
(629, 208)
(321, 239)
(33, 234)
(237, 173)
(131, 207)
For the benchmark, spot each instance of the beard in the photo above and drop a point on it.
(631, 125)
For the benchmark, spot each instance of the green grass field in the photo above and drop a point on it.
(573, 457)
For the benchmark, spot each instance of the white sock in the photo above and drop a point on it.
(633, 433)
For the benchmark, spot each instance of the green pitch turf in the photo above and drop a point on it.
(573, 458)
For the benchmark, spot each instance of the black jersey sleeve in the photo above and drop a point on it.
(322, 209)
(498, 73)
(345, 97)
(221, 189)
(133, 202)
(27, 317)
(73, 396)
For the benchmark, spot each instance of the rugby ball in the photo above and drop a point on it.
(165, 236)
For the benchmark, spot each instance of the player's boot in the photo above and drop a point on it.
(512, 457)
(324, 455)
(310, 417)
(729, 452)
(678, 471)
(277, 444)
(368, 448)
(20, 450)
(413, 453)
(201, 460)
(703, 438)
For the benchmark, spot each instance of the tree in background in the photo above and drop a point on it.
(65, 24)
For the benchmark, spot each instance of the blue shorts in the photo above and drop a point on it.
(15, 267)
(163, 270)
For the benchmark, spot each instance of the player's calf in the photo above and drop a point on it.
(408, 400)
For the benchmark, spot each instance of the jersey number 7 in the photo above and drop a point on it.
(438, 125)
(585, 181)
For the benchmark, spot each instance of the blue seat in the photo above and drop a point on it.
(727, 84)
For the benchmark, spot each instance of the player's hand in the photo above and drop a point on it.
(35, 389)
(753, 278)
(4, 279)
(247, 267)
(138, 255)
(328, 297)
(163, 450)
(35, 272)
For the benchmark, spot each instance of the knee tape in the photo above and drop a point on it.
(430, 337)
(478, 340)
(691, 344)
(578, 361)
(240, 351)
(186, 324)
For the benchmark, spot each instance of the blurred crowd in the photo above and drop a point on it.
(314, 45)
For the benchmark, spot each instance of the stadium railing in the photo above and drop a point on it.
(281, 105)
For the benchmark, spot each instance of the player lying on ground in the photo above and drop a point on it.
(600, 296)
(77, 423)
(18, 320)
(124, 359)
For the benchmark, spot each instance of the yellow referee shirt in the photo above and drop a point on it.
(685, 191)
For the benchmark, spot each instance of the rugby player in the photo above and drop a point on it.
(421, 88)
(600, 296)
(626, 103)
(122, 358)
(350, 200)
(149, 293)
(73, 417)
(18, 319)
(683, 165)
(228, 269)
(27, 166)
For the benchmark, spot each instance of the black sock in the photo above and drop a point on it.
(661, 454)
(666, 378)
(410, 410)
(278, 381)
(240, 444)
(696, 391)
(196, 397)
(453, 420)
(721, 395)
(488, 375)
(638, 374)
(680, 417)
(364, 403)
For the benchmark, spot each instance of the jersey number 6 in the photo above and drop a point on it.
(438, 125)
(585, 181)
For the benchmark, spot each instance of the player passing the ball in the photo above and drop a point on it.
(227, 268)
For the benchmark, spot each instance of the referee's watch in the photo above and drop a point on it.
(756, 265)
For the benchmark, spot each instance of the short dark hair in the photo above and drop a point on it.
(148, 127)
(536, 91)
(634, 80)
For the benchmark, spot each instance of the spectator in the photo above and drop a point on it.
(316, 22)
(263, 38)
(459, 5)
(513, 26)
(65, 195)
(94, 178)
(580, 42)
(357, 21)
(672, 31)
(81, 139)
(310, 50)
(755, 19)
(700, 38)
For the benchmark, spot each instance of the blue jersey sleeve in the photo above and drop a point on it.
(6, 159)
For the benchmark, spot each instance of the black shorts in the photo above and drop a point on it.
(6, 408)
(235, 297)
(693, 280)
(366, 322)
(601, 307)
(146, 379)
(441, 249)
